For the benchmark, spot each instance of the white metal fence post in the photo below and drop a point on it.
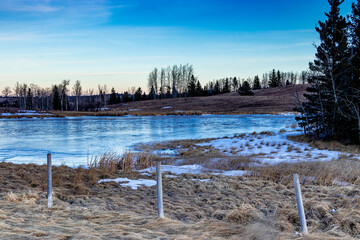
(159, 190)
(49, 182)
(300, 204)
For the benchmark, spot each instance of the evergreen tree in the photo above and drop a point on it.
(226, 88)
(326, 113)
(217, 88)
(152, 94)
(138, 94)
(355, 62)
(192, 86)
(273, 80)
(256, 83)
(235, 84)
(113, 98)
(198, 90)
(126, 97)
(56, 98)
(245, 89)
(355, 36)
(29, 99)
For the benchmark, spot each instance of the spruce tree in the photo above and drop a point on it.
(138, 94)
(245, 89)
(226, 88)
(325, 113)
(198, 90)
(273, 81)
(113, 98)
(217, 88)
(355, 62)
(56, 98)
(257, 84)
(278, 79)
(192, 86)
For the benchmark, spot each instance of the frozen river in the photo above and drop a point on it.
(73, 140)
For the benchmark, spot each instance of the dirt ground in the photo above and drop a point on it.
(221, 208)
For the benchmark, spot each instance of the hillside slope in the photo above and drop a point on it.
(271, 100)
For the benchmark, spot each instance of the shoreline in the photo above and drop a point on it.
(52, 114)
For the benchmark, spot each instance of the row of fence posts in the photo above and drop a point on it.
(159, 191)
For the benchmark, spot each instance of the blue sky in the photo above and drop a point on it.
(118, 43)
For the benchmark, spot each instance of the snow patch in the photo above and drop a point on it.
(203, 180)
(25, 113)
(133, 184)
(167, 107)
(271, 149)
(196, 169)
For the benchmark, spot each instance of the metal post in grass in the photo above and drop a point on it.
(49, 182)
(159, 190)
(300, 205)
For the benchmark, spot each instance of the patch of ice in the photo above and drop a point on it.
(133, 184)
(333, 210)
(167, 107)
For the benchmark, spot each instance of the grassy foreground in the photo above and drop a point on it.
(223, 208)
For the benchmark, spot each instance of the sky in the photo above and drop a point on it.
(118, 43)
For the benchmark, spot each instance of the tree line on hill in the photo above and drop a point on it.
(171, 82)
(332, 109)
(179, 81)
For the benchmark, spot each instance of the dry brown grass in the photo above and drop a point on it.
(316, 172)
(225, 208)
(110, 163)
(326, 145)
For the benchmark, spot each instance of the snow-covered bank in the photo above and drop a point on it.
(272, 148)
(194, 169)
(133, 184)
(26, 113)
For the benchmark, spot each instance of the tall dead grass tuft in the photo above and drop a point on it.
(109, 164)
(27, 198)
(144, 160)
(106, 163)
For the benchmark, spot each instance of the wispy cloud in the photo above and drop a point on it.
(37, 8)
(28, 6)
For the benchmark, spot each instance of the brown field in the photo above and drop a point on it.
(271, 100)
(265, 101)
(251, 207)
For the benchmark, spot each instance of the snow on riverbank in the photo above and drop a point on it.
(194, 169)
(272, 148)
(25, 113)
(133, 184)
